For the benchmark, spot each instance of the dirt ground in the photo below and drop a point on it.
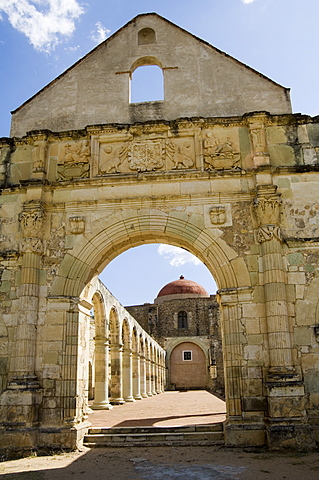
(164, 463)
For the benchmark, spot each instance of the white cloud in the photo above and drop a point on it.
(247, 1)
(43, 22)
(177, 256)
(72, 49)
(100, 34)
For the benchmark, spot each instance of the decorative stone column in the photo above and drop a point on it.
(286, 409)
(127, 374)
(143, 377)
(101, 392)
(267, 203)
(136, 376)
(116, 389)
(31, 220)
(19, 404)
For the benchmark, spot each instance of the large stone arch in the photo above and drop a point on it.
(92, 253)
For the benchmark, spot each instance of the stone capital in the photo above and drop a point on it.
(267, 206)
(31, 219)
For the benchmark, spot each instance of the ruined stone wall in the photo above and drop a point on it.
(241, 193)
(199, 80)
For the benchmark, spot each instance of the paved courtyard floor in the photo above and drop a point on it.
(168, 409)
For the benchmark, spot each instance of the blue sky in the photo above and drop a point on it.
(39, 39)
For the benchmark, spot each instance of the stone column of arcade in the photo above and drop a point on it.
(127, 373)
(143, 377)
(116, 390)
(137, 376)
(153, 376)
(148, 377)
(101, 391)
(285, 390)
(20, 402)
(158, 374)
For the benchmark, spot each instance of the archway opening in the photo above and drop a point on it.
(136, 278)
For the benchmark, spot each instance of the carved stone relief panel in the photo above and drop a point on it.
(221, 149)
(39, 153)
(77, 224)
(144, 154)
(180, 153)
(259, 141)
(74, 160)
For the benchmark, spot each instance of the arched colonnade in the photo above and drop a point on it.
(126, 363)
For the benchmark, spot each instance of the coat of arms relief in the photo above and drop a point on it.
(147, 155)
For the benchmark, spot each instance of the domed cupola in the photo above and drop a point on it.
(181, 288)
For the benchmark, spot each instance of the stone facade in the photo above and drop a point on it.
(201, 328)
(234, 185)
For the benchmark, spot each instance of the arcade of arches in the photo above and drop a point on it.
(231, 177)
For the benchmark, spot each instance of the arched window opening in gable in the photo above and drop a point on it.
(146, 36)
(182, 319)
(147, 84)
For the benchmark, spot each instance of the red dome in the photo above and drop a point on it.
(182, 287)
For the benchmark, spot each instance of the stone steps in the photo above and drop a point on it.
(155, 436)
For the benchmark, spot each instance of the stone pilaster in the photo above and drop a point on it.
(267, 204)
(20, 403)
(257, 130)
(243, 427)
(286, 426)
(31, 248)
(39, 155)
